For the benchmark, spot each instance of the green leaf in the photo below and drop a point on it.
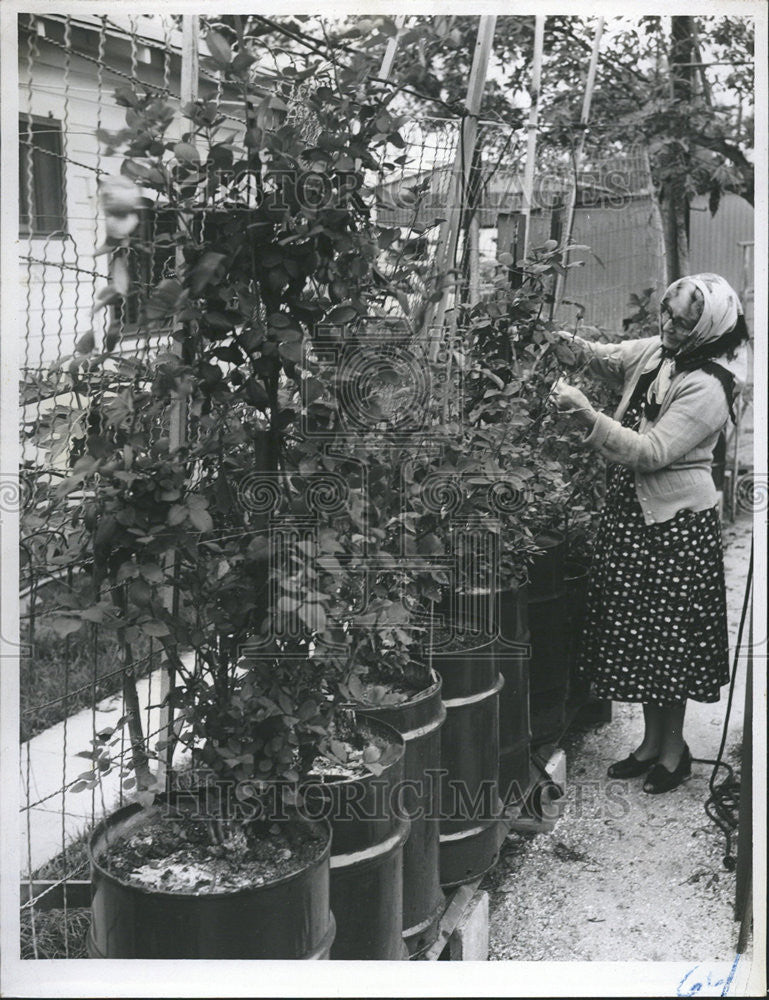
(185, 152)
(313, 616)
(140, 593)
(307, 710)
(154, 628)
(219, 48)
(177, 514)
(342, 314)
(429, 545)
(204, 270)
(164, 299)
(201, 519)
(121, 276)
(126, 97)
(104, 297)
(229, 353)
(291, 352)
(339, 750)
(258, 548)
(256, 394)
(95, 614)
(65, 626)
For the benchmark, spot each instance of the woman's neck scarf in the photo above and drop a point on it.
(720, 308)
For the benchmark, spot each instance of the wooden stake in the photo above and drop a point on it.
(584, 118)
(392, 47)
(177, 431)
(531, 145)
(474, 251)
(449, 232)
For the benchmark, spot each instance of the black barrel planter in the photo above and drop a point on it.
(288, 918)
(548, 628)
(513, 652)
(549, 565)
(419, 721)
(576, 576)
(367, 854)
(470, 828)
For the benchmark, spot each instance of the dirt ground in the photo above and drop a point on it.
(625, 875)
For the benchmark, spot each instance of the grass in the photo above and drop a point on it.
(60, 675)
(59, 933)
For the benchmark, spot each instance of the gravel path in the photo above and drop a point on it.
(624, 875)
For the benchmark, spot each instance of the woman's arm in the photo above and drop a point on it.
(607, 361)
(698, 410)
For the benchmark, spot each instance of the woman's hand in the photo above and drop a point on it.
(569, 399)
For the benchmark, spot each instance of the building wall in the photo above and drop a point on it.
(55, 302)
(625, 257)
(715, 243)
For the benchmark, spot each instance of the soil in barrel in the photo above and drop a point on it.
(179, 854)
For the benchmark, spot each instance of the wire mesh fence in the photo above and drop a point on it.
(75, 682)
(77, 74)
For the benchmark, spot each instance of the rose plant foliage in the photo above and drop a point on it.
(189, 535)
(214, 487)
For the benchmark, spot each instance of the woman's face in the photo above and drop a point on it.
(680, 309)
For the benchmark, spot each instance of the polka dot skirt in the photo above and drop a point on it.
(655, 625)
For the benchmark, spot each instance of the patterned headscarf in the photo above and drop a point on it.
(720, 309)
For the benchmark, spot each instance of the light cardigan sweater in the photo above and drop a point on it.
(672, 455)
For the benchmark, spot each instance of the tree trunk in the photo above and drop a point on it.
(674, 199)
(674, 207)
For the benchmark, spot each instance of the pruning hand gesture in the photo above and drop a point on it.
(569, 399)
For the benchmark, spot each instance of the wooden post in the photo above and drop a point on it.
(531, 145)
(583, 119)
(391, 49)
(177, 431)
(449, 232)
(474, 257)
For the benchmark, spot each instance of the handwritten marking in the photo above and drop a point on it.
(702, 980)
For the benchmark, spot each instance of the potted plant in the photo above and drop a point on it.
(514, 360)
(194, 478)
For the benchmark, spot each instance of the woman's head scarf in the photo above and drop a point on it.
(720, 308)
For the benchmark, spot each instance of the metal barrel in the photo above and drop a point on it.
(546, 572)
(367, 853)
(470, 828)
(419, 721)
(513, 650)
(576, 576)
(548, 629)
(288, 918)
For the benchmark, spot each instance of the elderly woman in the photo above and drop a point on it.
(656, 618)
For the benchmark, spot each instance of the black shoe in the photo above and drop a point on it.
(631, 767)
(659, 779)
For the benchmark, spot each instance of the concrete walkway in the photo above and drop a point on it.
(627, 876)
(49, 762)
